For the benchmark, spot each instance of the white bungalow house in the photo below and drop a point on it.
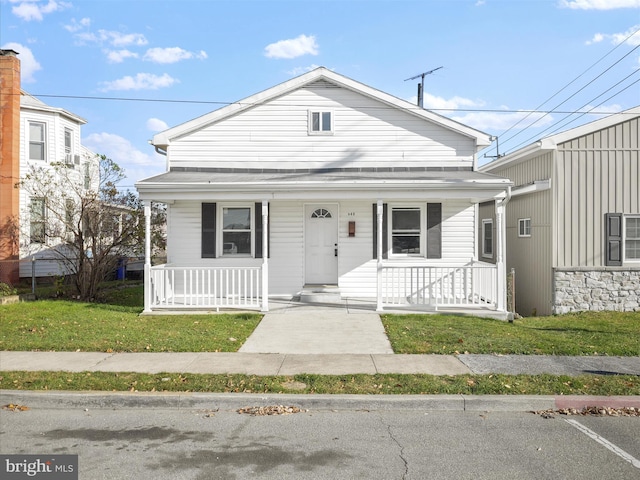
(321, 183)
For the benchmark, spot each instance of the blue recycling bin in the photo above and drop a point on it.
(121, 271)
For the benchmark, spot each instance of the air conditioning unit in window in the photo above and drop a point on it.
(71, 159)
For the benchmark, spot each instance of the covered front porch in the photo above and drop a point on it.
(381, 259)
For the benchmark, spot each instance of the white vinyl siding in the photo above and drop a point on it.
(366, 133)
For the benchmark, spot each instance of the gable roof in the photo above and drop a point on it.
(163, 139)
(29, 102)
(551, 142)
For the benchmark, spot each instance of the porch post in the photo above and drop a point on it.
(265, 256)
(501, 301)
(379, 213)
(147, 256)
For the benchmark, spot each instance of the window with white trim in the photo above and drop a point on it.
(487, 238)
(236, 230)
(320, 122)
(632, 238)
(37, 220)
(406, 231)
(37, 141)
(68, 141)
(524, 227)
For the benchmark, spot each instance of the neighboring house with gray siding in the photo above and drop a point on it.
(573, 220)
(322, 185)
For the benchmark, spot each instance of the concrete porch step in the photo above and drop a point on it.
(320, 294)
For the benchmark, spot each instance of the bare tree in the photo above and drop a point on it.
(88, 223)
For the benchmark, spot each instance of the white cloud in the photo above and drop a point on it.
(76, 26)
(300, 70)
(142, 81)
(479, 3)
(29, 10)
(454, 103)
(171, 55)
(28, 63)
(119, 56)
(116, 39)
(632, 34)
(292, 48)
(156, 125)
(599, 4)
(136, 164)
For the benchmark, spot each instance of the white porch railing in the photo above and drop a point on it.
(205, 287)
(474, 285)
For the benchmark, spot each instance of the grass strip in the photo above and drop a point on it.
(326, 384)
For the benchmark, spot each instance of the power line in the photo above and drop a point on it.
(572, 81)
(575, 93)
(211, 102)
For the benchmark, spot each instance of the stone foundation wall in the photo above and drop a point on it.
(597, 289)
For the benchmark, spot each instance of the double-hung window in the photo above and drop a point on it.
(320, 122)
(37, 141)
(406, 231)
(487, 238)
(236, 230)
(37, 219)
(632, 238)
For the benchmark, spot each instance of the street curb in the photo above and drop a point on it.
(233, 401)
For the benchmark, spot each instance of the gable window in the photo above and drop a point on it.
(524, 227)
(632, 238)
(406, 230)
(320, 122)
(37, 143)
(487, 238)
(37, 220)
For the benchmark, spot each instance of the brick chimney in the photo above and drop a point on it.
(9, 165)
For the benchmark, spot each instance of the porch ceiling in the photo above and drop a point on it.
(386, 183)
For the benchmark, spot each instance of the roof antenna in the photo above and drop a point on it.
(421, 84)
(497, 155)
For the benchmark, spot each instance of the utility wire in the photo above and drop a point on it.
(574, 94)
(529, 113)
(540, 134)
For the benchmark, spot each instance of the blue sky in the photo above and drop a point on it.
(132, 68)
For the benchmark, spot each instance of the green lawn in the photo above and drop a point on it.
(116, 326)
(588, 333)
(62, 325)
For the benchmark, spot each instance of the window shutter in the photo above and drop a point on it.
(613, 239)
(385, 239)
(208, 230)
(434, 230)
(257, 218)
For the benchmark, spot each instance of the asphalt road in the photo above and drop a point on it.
(327, 444)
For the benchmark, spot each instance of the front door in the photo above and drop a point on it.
(321, 244)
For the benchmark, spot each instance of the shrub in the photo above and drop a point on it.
(6, 290)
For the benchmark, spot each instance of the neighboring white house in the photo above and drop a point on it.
(323, 183)
(48, 135)
(573, 222)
